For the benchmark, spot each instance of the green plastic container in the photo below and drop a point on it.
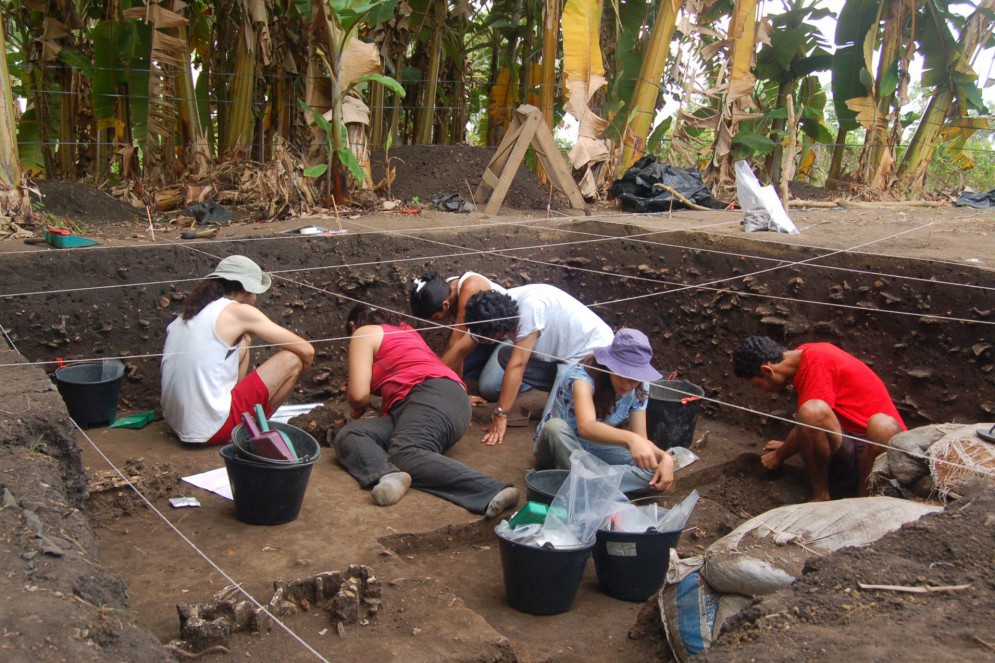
(68, 241)
(533, 513)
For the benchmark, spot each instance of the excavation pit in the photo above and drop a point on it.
(440, 565)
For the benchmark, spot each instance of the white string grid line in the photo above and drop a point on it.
(283, 626)
(503, 253)
(200, 552)
(523, 223)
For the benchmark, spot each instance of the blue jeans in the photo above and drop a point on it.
(558, 440)
(539, 374)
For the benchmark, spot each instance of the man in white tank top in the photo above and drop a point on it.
(206, 383)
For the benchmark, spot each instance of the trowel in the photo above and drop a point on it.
(268, 444)
(264, 427)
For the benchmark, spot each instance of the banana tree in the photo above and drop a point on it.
(642, 109)
(795, 52)
(583, 77)
(954, 90)
(14, 199)
(331, 75)
(850, 75)
(736, 92)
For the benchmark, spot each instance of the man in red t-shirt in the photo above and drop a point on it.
(845, 416)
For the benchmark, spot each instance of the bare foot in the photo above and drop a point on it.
(773, 445)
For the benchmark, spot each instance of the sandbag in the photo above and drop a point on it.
(767, 553)
(907, 460)
(961, 462)
(693, 613)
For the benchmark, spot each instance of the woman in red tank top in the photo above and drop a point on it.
(425, 411)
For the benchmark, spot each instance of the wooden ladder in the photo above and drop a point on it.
(527, 129)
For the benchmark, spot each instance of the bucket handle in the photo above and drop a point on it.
(673, 375)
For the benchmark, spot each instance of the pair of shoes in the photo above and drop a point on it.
(987, 437)
(505, 499)
(391, 488)
(519, 417)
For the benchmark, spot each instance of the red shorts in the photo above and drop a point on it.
(244, 397)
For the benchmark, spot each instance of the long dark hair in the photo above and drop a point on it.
(604, 393)
(364, 314)
(428, 293)
(205, 292)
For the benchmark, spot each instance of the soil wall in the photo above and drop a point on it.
(695, 297)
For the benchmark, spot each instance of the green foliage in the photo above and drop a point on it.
(944, 173)
(849, 71)
(344, 154)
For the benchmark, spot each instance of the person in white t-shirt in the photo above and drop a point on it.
(544, 329)
(206, 383)
(444, 300)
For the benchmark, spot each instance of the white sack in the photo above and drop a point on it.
(766, 554)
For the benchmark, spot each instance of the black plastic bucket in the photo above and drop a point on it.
(631, 566)
(542, 485)
(91, 391)
(673, 412)
(304, 444)
(542, 581)
(271, 493)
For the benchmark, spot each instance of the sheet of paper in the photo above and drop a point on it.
(284, 413)
(215, 481)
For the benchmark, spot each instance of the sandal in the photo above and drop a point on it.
(987, 437)
(519, 417)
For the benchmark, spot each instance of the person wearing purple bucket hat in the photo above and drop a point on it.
(593, 403)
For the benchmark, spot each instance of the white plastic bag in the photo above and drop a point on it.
(760, 203)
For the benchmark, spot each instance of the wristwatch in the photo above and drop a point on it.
(500, 412)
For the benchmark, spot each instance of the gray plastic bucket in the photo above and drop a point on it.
(91, 391)
(673, 412)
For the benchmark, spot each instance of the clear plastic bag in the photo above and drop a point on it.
(677, 517)
(589, 495)
(761, 205)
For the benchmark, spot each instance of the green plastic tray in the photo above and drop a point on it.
(68, 241)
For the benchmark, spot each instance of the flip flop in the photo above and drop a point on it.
(519, 417)
(987, 437)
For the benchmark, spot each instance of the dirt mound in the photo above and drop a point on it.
(424, 171)
(83, 204)
(824, 610)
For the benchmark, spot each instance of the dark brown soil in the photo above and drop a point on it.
(83, 205)
(826, 611)
(425, 171)
(445, 578)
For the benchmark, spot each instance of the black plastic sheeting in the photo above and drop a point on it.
(635, 192)
(976, 200)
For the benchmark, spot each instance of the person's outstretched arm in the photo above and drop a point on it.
(246, 318)
(512, 382)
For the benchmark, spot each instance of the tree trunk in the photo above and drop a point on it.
(14, 198)
(237, 139)
(836, 164)
(426, 114)
(643, 107)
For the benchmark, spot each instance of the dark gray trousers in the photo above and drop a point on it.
(412, 438)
